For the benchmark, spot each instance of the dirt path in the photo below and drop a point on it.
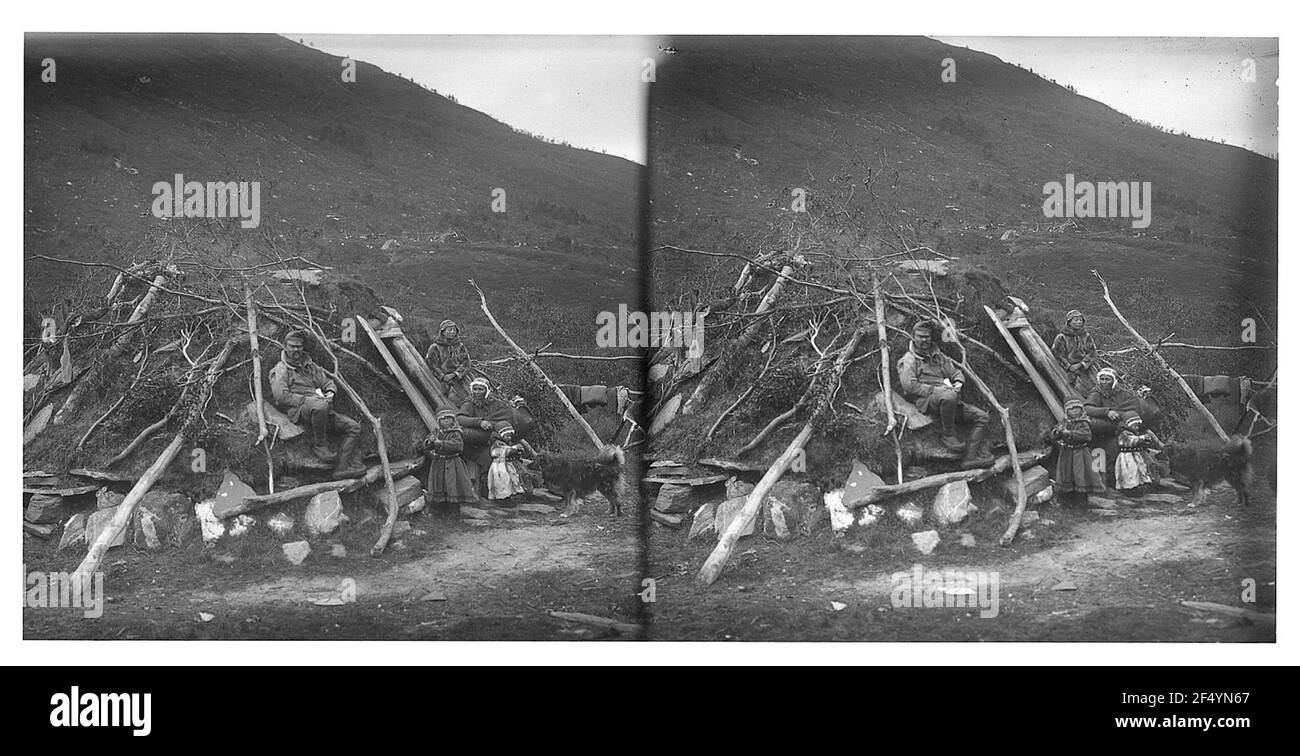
(444, 579)
(1074, 575)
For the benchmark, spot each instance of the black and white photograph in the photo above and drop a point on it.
(311, 343)
(663, 345)
(987, 343)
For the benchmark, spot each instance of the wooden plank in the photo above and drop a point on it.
(702, 480)
(1046, 360)
(416, 367)
(421, 404)
(1044, 389)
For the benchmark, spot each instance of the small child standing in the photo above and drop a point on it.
(1133, 463)
(1074, 473)
(449, 478)
(504, 479)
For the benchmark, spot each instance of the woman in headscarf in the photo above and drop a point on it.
(1108, 406)
(450, 481)
(1076, 351)
(481, 416)
(449, 360)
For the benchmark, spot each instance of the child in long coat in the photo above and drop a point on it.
(1133, 463)
(1074, 473)
(449, 478)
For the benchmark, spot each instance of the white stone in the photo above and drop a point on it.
(925, 541)
(211, 526)
(841, 516)
(296, 551)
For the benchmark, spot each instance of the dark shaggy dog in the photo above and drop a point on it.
(1202, 464)
(577, 475)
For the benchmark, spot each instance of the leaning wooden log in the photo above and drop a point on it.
(350, 485)
(1196, 402)
(251, 314)
(710, 378)
(718, 559)
(1041, 354)
(886, 386)
(416, 368)
(385, 532)
(113, 354)
(421, 404)
(537, 370)
(1044, 389)
(1000, 465)
(122, 517)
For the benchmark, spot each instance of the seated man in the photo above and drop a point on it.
(303, 391)
(481, 416)
(931, 380)
(1108, 406)
(449, 360)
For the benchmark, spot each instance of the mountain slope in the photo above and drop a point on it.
(810, 108)
(377, 156)
(866, 124)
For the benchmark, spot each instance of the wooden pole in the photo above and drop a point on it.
(1001, 465)
(421, 404)
(257, 364)
(1044, 390)
(1042, 354)
(122, 516)
(537, 370)
(387, 531)
(372, 475)
(718, 559)
(416, 367)
(1196, 402)
(886, 385)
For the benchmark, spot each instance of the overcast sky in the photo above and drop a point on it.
(586, 90)
(1187, 84)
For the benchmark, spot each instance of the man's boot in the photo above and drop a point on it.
(948, 421)
(977, 453)
(317, 421)
(349, 465)
(323, 452)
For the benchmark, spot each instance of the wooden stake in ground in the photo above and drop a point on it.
(886, 386)
(537, 370)
(1196, 402)
(718, 559)
(257, 365)
(122, 516)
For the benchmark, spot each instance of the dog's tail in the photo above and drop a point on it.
(1239, 446)
(612, 456)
